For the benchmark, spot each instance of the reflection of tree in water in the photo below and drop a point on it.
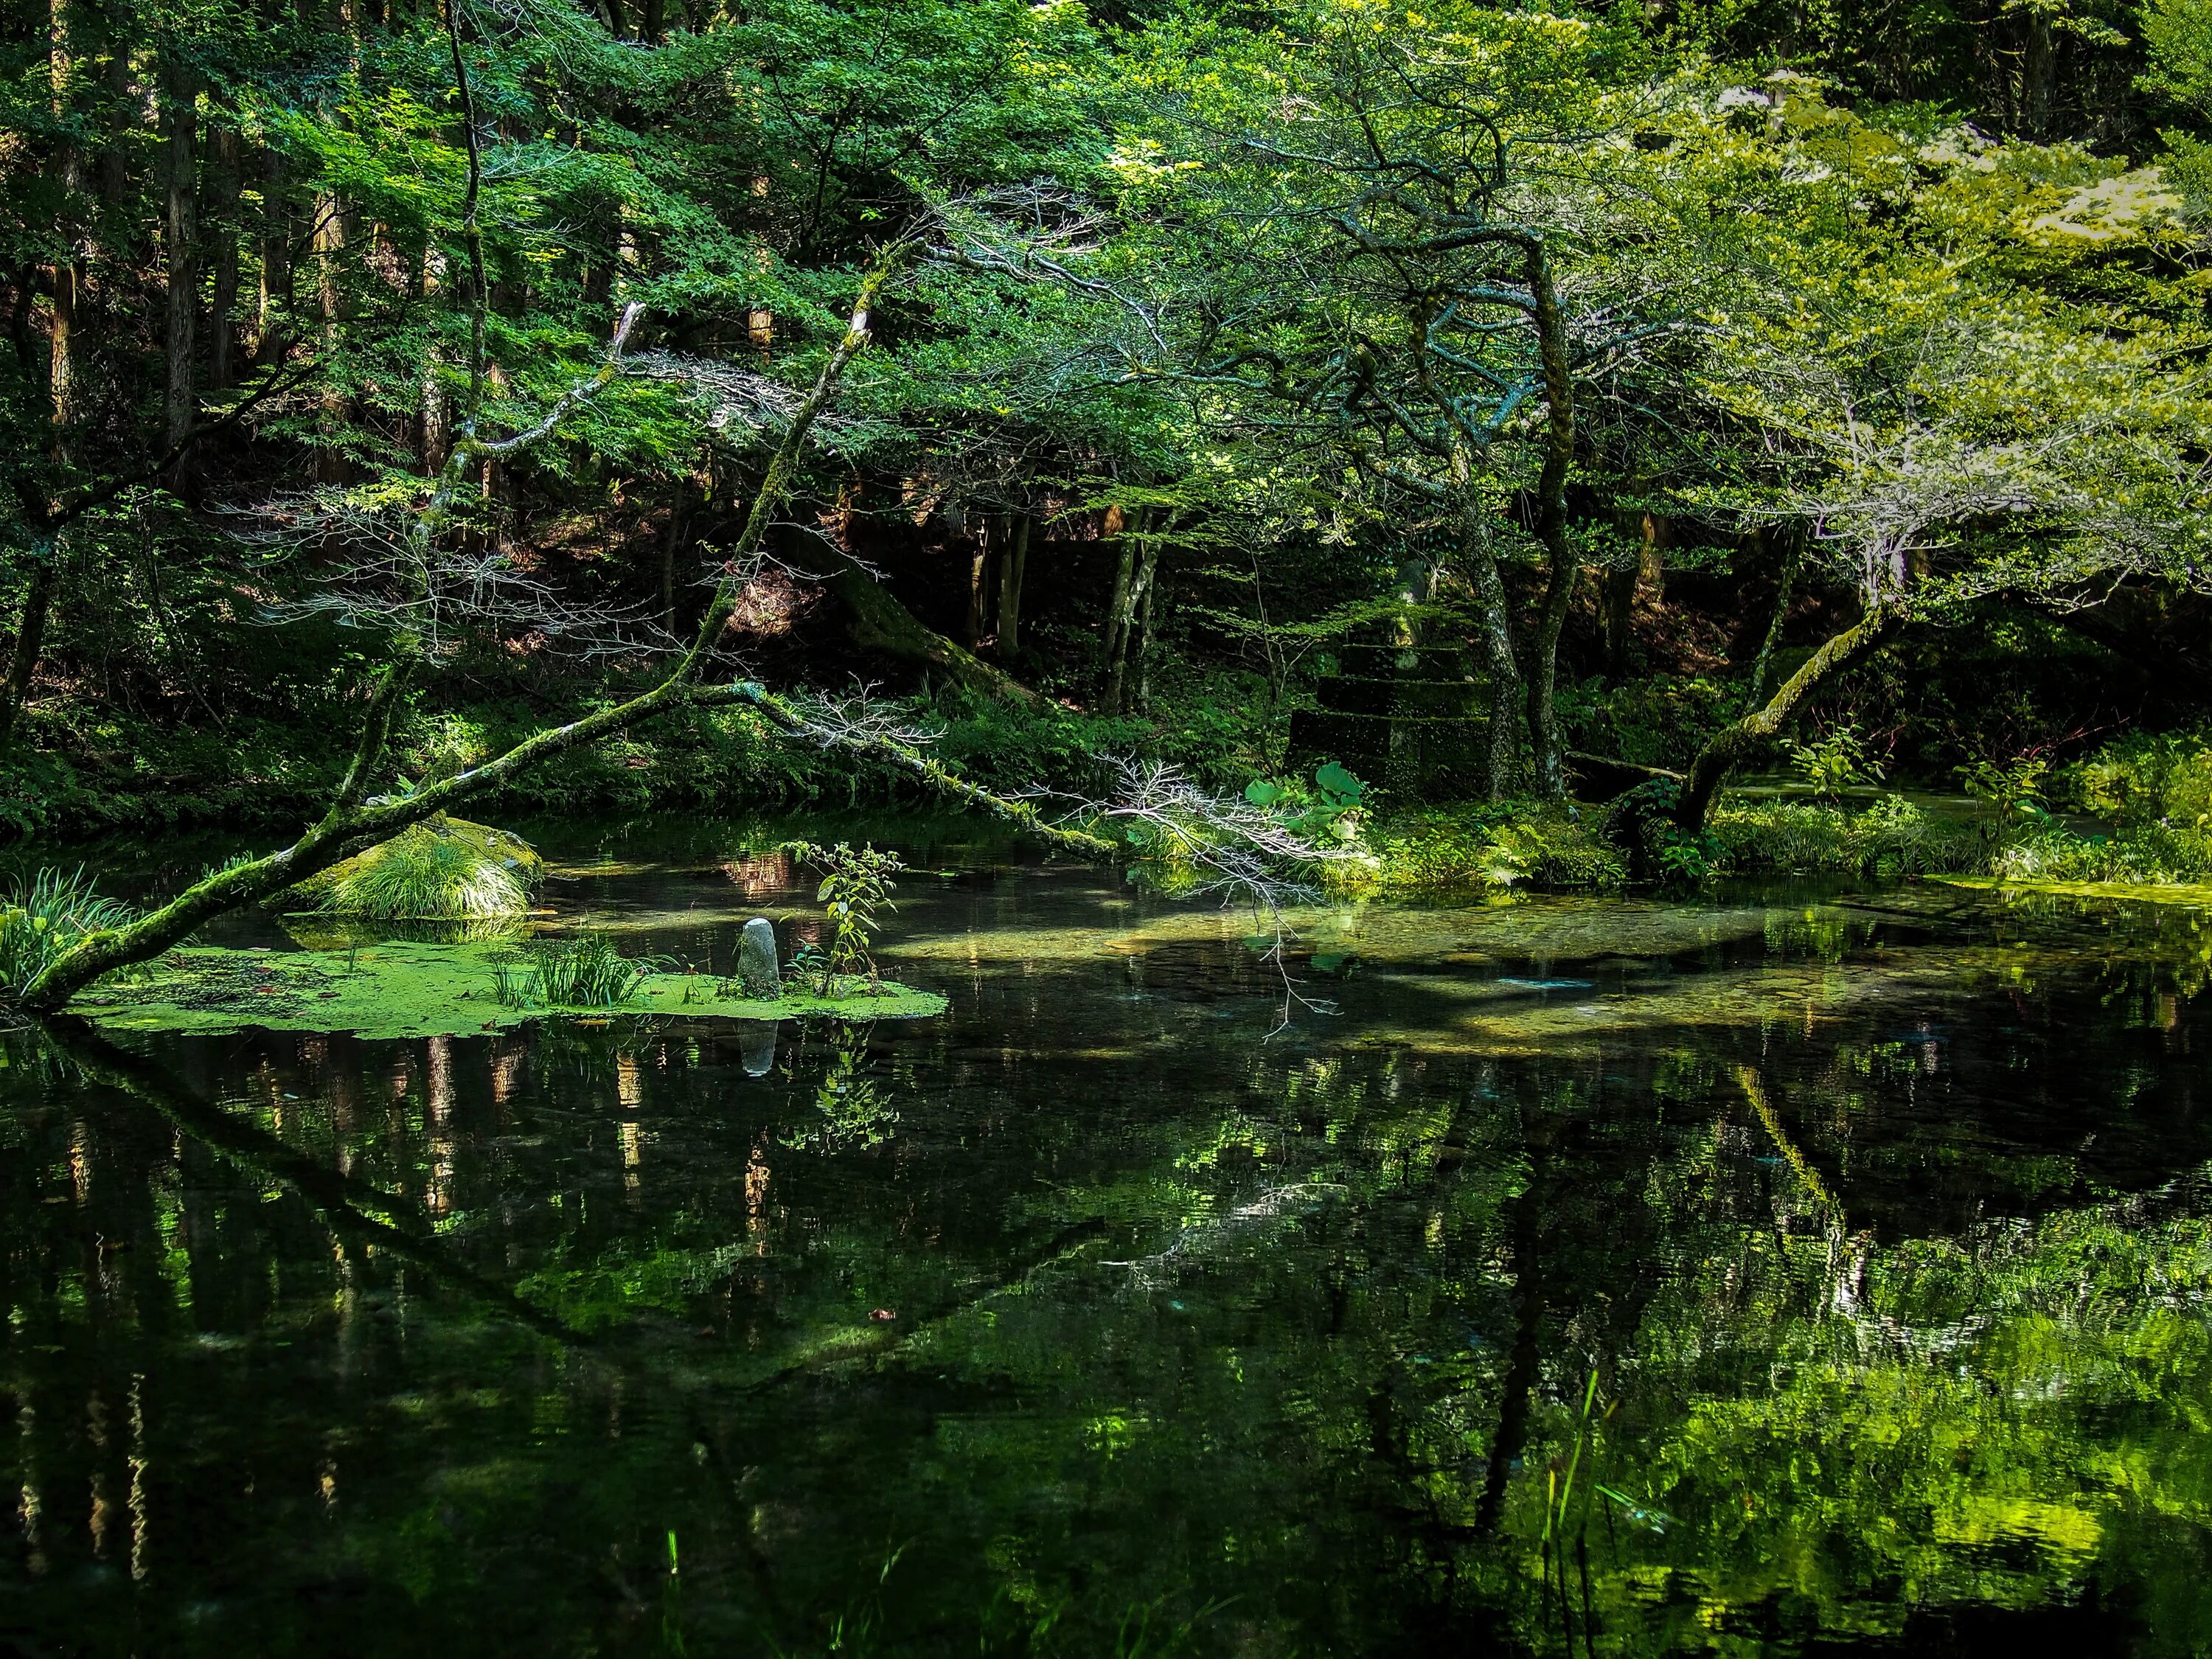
(446, 1339)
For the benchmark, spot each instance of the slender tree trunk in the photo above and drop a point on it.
(330, 241)
(979, 568)
(180, 116)
(275, 295)
(30, 641)
(67, 274)
(1793, 553)
(1480, 557)
(1729, 747)
(119, 233)
(1145, 637)
(223, 148)
(1010, 588)
(1137, 599)
(1122, 528)
(63, 377)
(1551, 772)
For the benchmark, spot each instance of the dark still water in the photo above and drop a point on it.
(1796, 1275)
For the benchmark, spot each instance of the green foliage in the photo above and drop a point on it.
(2010, 788)
(1329, 809)
(413, 988)
(1835, 762)
(854, 892)
(2156, 790)
(1890, 837)
(45, 916)
(1440, 852)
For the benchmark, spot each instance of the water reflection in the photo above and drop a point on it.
(1883, 1226)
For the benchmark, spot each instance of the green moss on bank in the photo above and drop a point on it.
(410, 989)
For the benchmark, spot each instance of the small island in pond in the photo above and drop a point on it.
(400, 988)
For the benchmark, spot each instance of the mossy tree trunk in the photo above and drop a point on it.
(1563, 568)
(1735, 743)
(1495, 623)
(879, 622)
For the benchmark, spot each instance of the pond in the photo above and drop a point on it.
(1782, 1272)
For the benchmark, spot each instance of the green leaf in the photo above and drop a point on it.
(1338, 784)
(1261, 792)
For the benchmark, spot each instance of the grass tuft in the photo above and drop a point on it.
(45, 917)
(584, 972)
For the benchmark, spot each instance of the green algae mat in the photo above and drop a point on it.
(400, 988)
(2136, 892)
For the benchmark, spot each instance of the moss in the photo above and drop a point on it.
(408, 988)
(2145, 892)
(440, 870)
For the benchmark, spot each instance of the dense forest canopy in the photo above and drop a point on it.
(1627, 392)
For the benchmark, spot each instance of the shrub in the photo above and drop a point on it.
(1437, 851)
(1893, 837)
(856, 888)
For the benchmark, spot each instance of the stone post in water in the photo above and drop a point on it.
(758, 972)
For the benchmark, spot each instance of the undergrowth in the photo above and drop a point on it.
(45, 917)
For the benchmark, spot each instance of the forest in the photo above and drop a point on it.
(1623, 594)
(1512, 408)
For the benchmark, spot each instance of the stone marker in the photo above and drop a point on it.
(757, 970)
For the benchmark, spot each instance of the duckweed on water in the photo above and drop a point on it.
(405, 990)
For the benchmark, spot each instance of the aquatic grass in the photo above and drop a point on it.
(584, 972)
(45, 917)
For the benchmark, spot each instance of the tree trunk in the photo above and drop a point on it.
(1480, 559)
(1010, 588)
(30, 640)
(276, 296)
(1730, 746)
(180, 116)
(222, 210)
(1551, 772)
(880, 622)
(979, 570)
(1793, 554)
(1138, 596)
(1121, 528)
(67, 273)
(330, 241)
(1144, 638)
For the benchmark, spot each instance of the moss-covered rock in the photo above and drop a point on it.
(440, 870)
(408, 988)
